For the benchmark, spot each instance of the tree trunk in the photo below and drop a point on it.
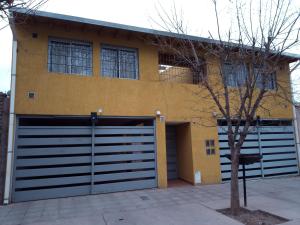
(235, 199)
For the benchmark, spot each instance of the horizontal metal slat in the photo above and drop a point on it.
(53, 161)
(224, 160)
(124, 166)
(251, 166)
(34, 183)
(124, 176)
(249, 137)
(52, 151)
(54, 141)
(248, 173)
(83, 150)
(124, 127)
(125, 186)
(53, 127)
(223, 129)
(280, 149)
(244, 151)
(124, 148)
(124, 157)
(277, 136)
(281, 163)
(134, 139)
(279, 156)
(280, 170)
(113, 131)
(273, 129)
(19, 173)
(277, 143)
(20, 196)
(245, 144)
(55, 131)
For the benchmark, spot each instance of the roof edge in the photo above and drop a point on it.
(63, 17)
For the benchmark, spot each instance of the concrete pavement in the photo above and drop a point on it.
(177, 205)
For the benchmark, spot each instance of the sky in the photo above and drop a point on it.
(198, 14)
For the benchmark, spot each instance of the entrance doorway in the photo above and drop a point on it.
(172, 165)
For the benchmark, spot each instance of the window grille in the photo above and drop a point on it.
(119, 62)
(235, 75)
(266, 80)
(70, 57)
(174, 69)
(210, 147)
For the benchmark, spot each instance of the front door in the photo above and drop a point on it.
(171, 153)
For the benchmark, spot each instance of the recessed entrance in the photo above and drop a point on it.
(179, 153)
(171, 153)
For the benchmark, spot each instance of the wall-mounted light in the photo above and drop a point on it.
(93, 117)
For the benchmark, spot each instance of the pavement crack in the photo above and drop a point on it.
(103, 217)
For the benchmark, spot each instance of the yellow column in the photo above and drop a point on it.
(161, 152)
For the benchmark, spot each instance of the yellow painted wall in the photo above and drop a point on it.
(161, 152)
(185, 152)
(62, 94)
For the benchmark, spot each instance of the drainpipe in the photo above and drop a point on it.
(296, 128)
(11, 128)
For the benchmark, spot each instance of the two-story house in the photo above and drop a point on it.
(67, 69)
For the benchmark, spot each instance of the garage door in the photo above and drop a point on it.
(275, 140)
(59, 161)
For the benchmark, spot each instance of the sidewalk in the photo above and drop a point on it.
(187, 205)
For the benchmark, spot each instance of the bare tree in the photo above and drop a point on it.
(247, 56)
(29, 5)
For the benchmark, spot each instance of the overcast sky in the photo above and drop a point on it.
(199, 14)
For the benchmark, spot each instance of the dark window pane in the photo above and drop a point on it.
(70, 57)
(128, 64)
(266, 80)
(235, 75)
(207, 143)
(109, 62)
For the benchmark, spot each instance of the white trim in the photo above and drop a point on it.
(11, 128)
(296, 127)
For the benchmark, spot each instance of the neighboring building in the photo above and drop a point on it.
(68, 67)
(4, 110)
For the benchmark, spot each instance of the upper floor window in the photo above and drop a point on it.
(70, 57)
(173, 68)
(235, 74)
(119, 62)
(266, 80)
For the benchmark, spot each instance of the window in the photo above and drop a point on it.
(210, 147)
(119, 62)
(70, 57)
(173, 68)
(235, 75)
(265, 80)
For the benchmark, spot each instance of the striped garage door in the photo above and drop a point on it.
(274, 141)
(60, 161)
